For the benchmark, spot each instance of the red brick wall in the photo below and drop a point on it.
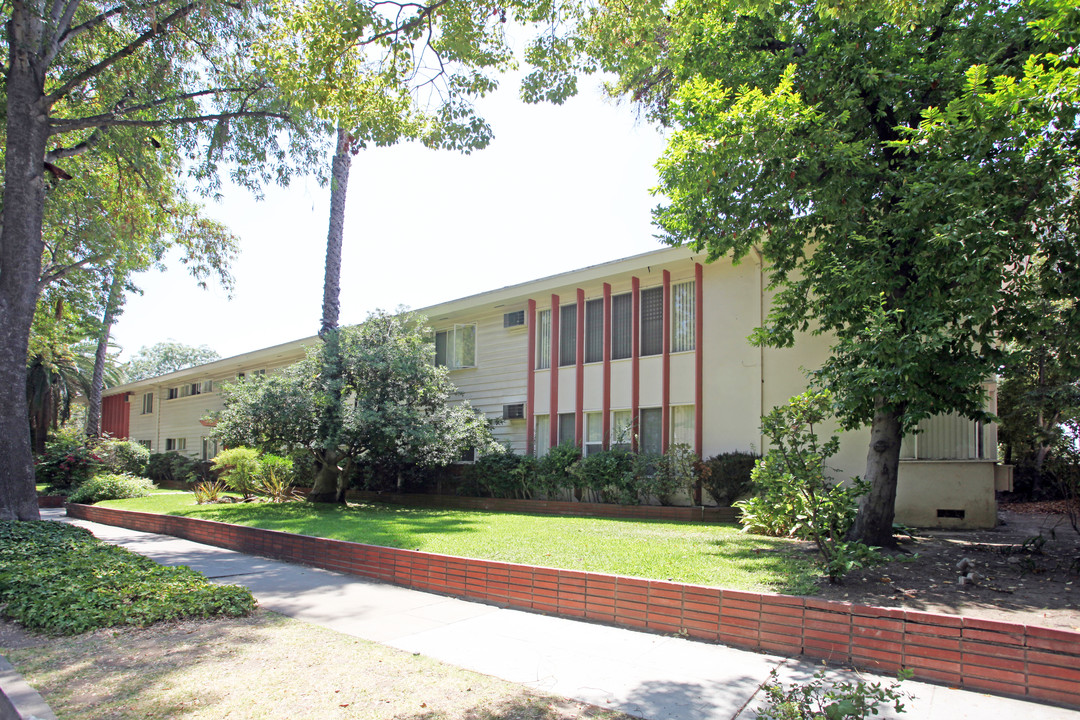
(1004, 658)
(552, 507)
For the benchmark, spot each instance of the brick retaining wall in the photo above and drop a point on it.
(1003, 658)
(551, 507)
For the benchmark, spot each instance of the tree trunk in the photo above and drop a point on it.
(20, 252)
(874, 523)
(329, 485)
(97, 383)
(339, 190)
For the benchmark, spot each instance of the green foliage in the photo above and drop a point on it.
(821, 699)
(796, 497)
(69, 461)
(110, 486)
(553, 470)
(166, 357)
(123, 456)
(172, 467)
(727, 476)
(59, 579)
(608, 476)
(677, 470)
(502, 474)
(208, 492)
(239, 468)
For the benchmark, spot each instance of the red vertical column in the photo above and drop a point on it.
(665, 369)
(699, 357)
(635, 359)
(553, 417)
(530, 380)
(606, 401)
(579, 389)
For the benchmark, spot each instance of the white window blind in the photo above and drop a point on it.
(682, 425)
(650, 428)
(594, 432)
(542, 436)
(683, 304)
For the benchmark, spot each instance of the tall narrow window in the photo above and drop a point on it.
(543, 339)
(594, 432)
(652, 321)
(209, 448)
(568, 334)
(622, 430)
(543, 435)
(650, 428)
(622, 309)
(567, 425)
(594, 330)
(683, 304)
(148, 403)
(682, 425)
(440, 349)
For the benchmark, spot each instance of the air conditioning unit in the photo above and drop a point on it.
(514, 319)
(514, 412)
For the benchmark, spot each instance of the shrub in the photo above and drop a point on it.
(110, 486)
(727, 476)
(209, 492)
(59, 579)
(553, 470)
(68, 461)
(501, 474)
(277, 467)
(608, 475)
(675, 471)
(795, 495)
(173, 467)
(240, 469)
(817, 699)
(123, 456)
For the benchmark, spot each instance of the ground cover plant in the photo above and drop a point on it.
(707, 554)
(266, 666)
(59, 579)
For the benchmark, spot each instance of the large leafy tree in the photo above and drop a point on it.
(82, 75)
(806, 130)
(166, 357)
(394, 407)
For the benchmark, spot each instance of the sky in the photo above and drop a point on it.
(559, 188)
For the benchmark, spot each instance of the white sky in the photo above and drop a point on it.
(559, 188)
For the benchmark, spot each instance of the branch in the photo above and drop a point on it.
(65, 270)
(93, 22)
(120, 54)
(61, 153)
(59, 127)
(61, 18)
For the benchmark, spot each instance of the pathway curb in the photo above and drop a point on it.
(19, 701)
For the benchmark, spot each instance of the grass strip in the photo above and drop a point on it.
(60, 579)
(699, 553)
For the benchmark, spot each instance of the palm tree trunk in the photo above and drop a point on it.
(97, 383)
(327, 485)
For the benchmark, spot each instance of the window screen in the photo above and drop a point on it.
(594, 331)
(568, 334)
(621, 326)
(543, 339)
(682, 317)
(652, 321)
(566, 428)
(651, 430)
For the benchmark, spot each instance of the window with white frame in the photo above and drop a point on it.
(594, 330)
(208, 386)
(175, 444)
(258, 373)
(650, 430)
(543, 339)
(542, 436)
(147, 403)
(683, 320)
(652, 321)
(568, 335)
(209, 448)
(945, 437)
(594, 432)
(456, 348)
(622, 326)
(622, 430)
(682, 425)
(174, 392)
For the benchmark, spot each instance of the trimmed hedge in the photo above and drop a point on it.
(60, 579)
(111, 487)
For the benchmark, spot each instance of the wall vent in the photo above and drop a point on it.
(943, 513)
(514, 319)
(514, 412)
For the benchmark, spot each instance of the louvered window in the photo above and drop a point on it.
(621, 326)
(568, 334)
(652, 321)
(683, 306)
(594, 331)
(543, 339)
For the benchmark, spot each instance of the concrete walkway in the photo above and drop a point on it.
(651, 676)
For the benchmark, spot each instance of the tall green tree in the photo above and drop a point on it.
(166, 357)
(798, 129)
(81, 74)
(397, 407)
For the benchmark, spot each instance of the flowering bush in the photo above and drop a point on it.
(68, 462)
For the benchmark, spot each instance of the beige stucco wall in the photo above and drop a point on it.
(927, 487)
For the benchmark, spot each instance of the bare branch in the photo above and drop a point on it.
(93, 22)
(61, 153)
(62, 271)
(61, 21)
(120, 54)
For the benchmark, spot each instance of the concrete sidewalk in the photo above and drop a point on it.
(652, 676)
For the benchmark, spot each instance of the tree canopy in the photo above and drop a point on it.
(397, 408)
(166, 357)
(894, 164)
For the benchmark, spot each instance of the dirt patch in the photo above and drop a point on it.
(267, 666)
(1028, 571)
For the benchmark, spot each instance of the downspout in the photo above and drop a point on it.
(761, 348)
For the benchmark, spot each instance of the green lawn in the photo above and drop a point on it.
(705, 554)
